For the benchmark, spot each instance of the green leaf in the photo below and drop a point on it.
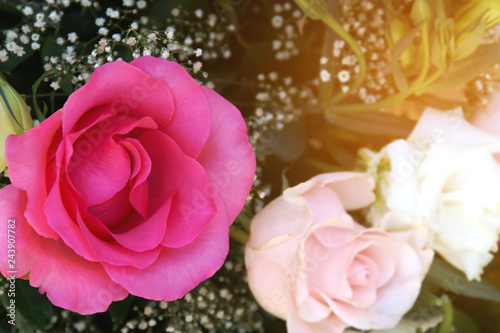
(399, 48)
(449, 278)
(485, 57)
(374, 122)
(118, 311)
(33, 306)
(462, 323)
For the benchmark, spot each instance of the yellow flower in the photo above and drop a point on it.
(14, 116)
(487, 10)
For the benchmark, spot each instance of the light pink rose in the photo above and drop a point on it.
(130, 188)
(489, 119)
(310, 264)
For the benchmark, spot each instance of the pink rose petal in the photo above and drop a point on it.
(27, 168)
(179, 270)
(69, 280)
(232, 172)
(191, 122)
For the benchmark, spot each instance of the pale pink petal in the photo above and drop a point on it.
(27, 168)
(70, 281)
(190, 126)
(313, 310)
(323, 203)
(227, 156)
(179, 270)
(354, 189)
(269, 282)
(276, 219)
(174, 171)
(12, 205)
(135, 94)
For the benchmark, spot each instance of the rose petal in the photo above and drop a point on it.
(227, 156)
(179, 270)
(287, 219)
(134, 94)
(27, 167)
(12, 205)
(103, 171)
(323, 203)
(354, 189)
(111, 252)
(70, 281)
(172, 170)
(190, 125)
(268, 282)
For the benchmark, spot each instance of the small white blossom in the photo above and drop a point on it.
(11, 35)
(277, 21)
(116, 37)
(35, 37)
(60, 41)
(134, 25)
(198, 52)
(72, 37)
(343, 76)
(28, 11)
(26, 29)
(152, 37)
(325, 75)
(3, 56)
(197, 66)
(24, 39)
(323, 60)
(35, 46)
(86, 3)
(55, 85)
(198, 13)
(115, 14)
(175, 12)
(103, 31)
(100, 21)
(55, 17)
(141, 4)
(212, 20)
(128, 3)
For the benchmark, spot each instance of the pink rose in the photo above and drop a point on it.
(309, 263)
(489, 119)
(130, 188)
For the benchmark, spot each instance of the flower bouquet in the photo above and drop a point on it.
(307, 166)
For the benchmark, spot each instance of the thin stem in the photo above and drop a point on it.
(238, 235)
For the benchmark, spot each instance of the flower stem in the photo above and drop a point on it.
(238, 234)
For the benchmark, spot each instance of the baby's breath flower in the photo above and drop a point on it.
(277, 21)
(103, 31)
(100, 21)
(141, 4)
(28, 11)
(72, 37)
(325, 75)
(128, 3)
(343, 76)
(114, 14)
(35, 46)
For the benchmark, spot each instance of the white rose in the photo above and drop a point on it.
(445, 177)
